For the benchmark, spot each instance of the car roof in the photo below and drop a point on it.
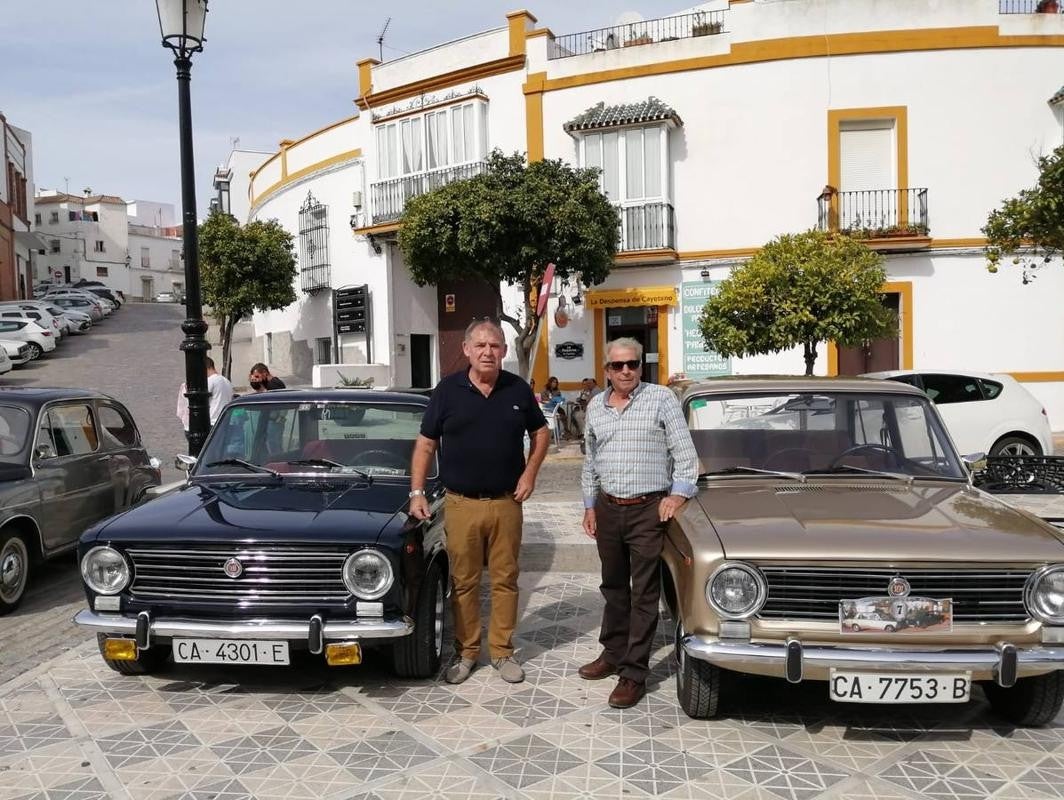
(35, 397)
(330, 395)
(966, 373)
(793, 383)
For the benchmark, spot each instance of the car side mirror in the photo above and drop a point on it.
(44, 451)
(975, 462)
(184, 463)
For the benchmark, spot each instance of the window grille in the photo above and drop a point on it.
(313, 245)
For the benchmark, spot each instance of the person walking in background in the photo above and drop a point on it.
(260, 379)
(182, 408)
(477, 419)
(639, 469)
(220, 390)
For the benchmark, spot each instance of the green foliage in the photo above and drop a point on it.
(506, 224)
(1030, 226)
(356, 382)
(800, 289)
(244, 269)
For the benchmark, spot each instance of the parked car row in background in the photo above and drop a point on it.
(30, 329)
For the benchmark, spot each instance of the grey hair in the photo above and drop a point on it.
(480, 323)
(624, 343)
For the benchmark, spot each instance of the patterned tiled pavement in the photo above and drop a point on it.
(72, 729)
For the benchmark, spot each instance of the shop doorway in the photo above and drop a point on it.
(639, 323)
(878, 355)
(420, 361)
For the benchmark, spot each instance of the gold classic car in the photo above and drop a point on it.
(836, 537)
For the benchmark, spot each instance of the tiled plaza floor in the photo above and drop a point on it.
(73, 729)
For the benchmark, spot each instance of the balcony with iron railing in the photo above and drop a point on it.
(646, 226)
(1030, 7)
(882, 217)
(390, 196)
(651, 31)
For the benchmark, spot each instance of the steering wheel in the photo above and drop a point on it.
(378, 458)
(804, 451)
(869, 447)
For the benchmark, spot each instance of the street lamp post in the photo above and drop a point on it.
(181, 23)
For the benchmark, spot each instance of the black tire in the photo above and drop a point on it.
(1032, 702)
(418, 654)
(36, 351)
(889, 628)
(1015, 446)
(855, 627)
(697, 683)
(15, 564)
(148, 661)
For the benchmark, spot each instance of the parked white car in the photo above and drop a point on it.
(18, 352)
(28, 331)
(39, 314)
(105, 305)
(5, 363)
(984, 412)
(82, 304)
(165, 297)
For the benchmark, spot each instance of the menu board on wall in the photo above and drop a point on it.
(698, 362)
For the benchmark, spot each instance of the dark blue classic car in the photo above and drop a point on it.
(290, 534)
(68, 458)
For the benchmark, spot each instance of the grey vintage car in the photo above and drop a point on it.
(837, 537)
(68, 458)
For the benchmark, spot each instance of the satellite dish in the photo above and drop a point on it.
(629, 18)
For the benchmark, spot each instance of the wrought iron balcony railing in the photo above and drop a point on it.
(874, 213)
(664, 29)
(1030, 7)
(391, 195)
(646, 226)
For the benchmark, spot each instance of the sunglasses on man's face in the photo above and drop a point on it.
(617, 366)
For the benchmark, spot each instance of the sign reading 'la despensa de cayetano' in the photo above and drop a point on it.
(698, 362)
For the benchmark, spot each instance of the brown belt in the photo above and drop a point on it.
(633, 501)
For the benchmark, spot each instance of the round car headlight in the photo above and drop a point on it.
(105, 570)
(736, 590)
(368, 574)
(1044, 596)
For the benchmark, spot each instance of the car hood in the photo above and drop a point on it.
(307, 511)
(762, 521)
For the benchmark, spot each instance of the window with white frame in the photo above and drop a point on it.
(450, 136)
(145, 257)
(633, 162)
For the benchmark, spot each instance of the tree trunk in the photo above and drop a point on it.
(227, 323)
(525, 329)
(810, 357)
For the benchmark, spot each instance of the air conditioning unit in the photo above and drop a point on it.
(356, 199)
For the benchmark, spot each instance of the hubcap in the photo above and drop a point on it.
(437, 630)
(13, 559)
(1017, 449)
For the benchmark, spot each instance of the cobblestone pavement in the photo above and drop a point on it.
(73, 729)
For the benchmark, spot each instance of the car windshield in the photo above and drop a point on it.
(804, 433)
(14, 432)
(356, 438)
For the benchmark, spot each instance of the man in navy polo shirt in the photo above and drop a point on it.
(481, 416)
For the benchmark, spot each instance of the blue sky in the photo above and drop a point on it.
(94, 86)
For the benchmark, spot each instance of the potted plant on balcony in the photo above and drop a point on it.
(635, 38)
(1048, 7)
(702, 27)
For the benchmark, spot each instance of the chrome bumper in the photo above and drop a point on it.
(792, 660)
(288, 630)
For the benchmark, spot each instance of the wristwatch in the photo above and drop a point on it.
(416, 493)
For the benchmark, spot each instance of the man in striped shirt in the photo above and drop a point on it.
(640, 468)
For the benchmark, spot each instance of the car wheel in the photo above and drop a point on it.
(36, 351)
(418, 654)
(889, 628)
(14, 571)
(148, 661)
(697, 683)
(855, 628)
(1014, 446)
(1032, 702)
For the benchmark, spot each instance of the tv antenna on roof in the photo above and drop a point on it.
(380, 38)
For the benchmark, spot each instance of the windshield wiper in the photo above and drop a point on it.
(324, 462)
(794, 476)
(239, 462)
(849, 468)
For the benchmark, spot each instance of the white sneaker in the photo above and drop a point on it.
(460, 670)
(509, 670)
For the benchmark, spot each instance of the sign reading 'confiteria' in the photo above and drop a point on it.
(698, 362)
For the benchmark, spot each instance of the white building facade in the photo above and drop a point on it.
(717, 130)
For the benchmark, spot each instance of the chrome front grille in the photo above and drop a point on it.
(272, 574)
(813, 593)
